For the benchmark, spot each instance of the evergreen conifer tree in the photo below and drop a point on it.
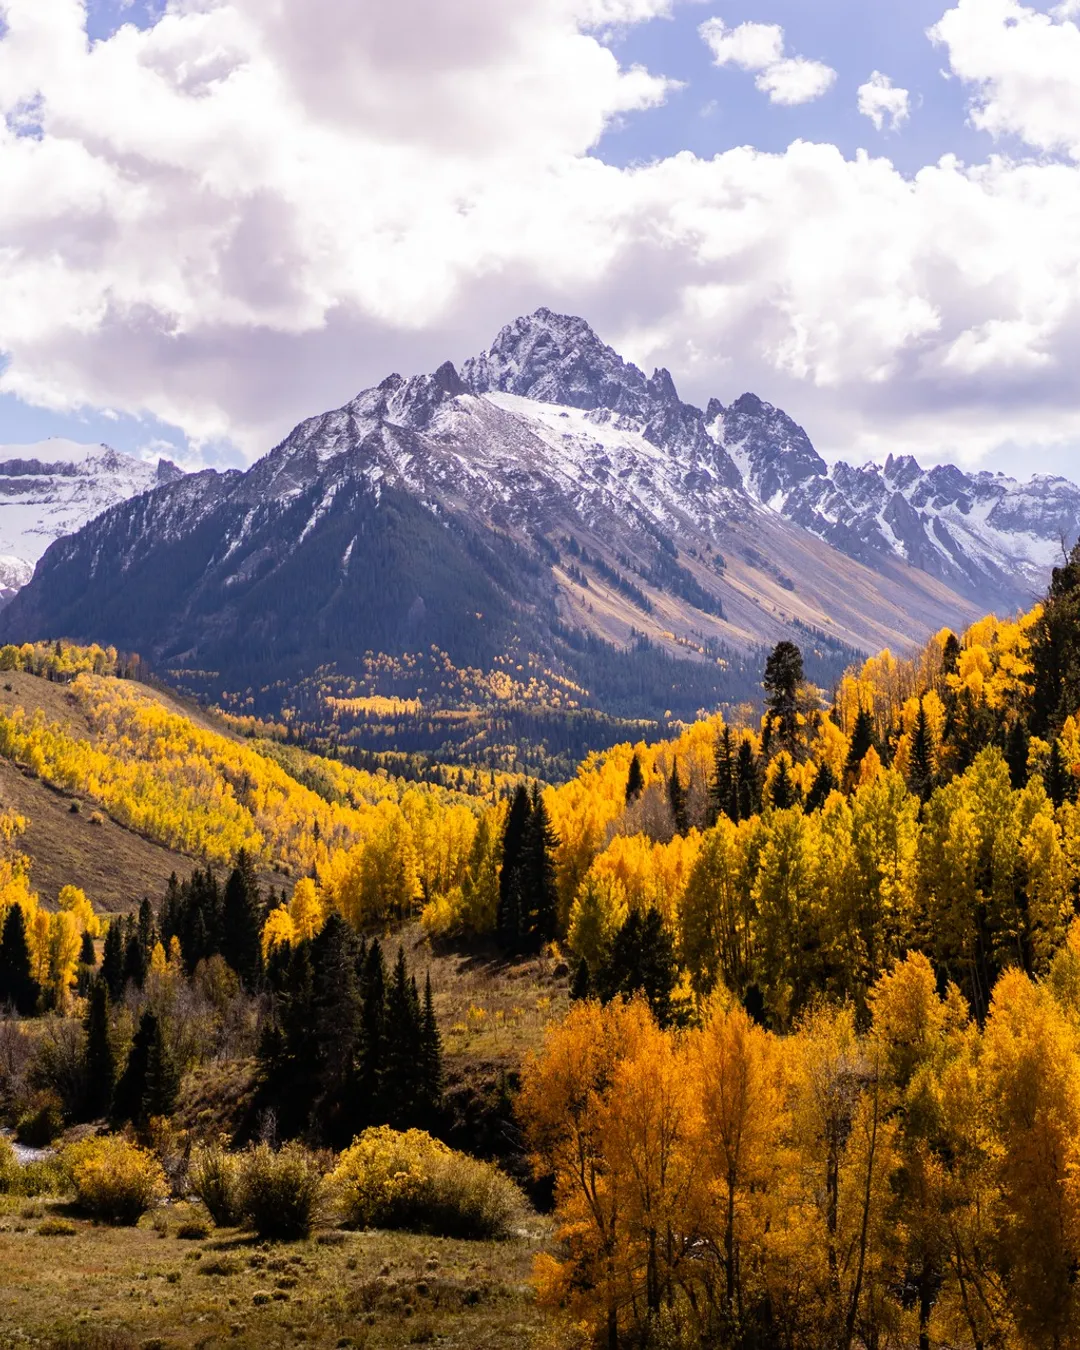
(513, 905)
(1055, 650)
(87, 954)
(863, 737)
(642, 960)
(677, 801)
(824, 783)
(724, 791)
(1057, 779)
(540, 886)
(17, 984)
(240, 922)
(921, 775)
(112, 960)
(162, 1078)
(635, 781)
(372, 1063)
(136, 956)
(783, 794)
(130, 1094)
(336, 1030)
(1016, 754)
(783, 675)
(100, 1061)
(749, 784)
(431, 1063)
(401, 1090)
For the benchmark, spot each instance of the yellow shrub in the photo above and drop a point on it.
(114, 1180)
(409, 1180)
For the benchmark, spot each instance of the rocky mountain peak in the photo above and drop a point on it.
(557, 358)
(773, 452)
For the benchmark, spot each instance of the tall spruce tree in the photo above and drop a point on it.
(431, 1061)
(748, 781)
(17, 984)
(130, 1094)
(635, 780)
(512, 922)
(541, 891)
(642, 961)
(677, 801)
(783, 675)
(1017, 749)
(162, 1078)
(401, 1084)
(724, 790)
(336, 1027)
(1058, 781)
(99, 1058)
(372, 1062)
(112, 960)
(863, 739)
(1055, 651)
(921, 772)
(824, 783)
(783, 794)
(241, 928)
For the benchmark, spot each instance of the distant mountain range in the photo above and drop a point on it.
(52, 489)
(535, 513)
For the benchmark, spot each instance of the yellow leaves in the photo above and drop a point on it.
(73, 900)
(305, 910)
(278, 931)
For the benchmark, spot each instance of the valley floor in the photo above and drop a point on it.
(101, 1288)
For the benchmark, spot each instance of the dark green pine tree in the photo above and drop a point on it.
(99, 1058)
(724, 789)
(635, 781)
(17, 984)
(136, 956)
(824, 783)
(87, 954)
(581, 988)
(512, 920)
(1058, 781)
(162, 1078)
(431, 1061)
(287, 1050)
(130, 1094)
(336, 1030)
(950, 655)
(401, 1084)
(921, 772)
(372, 1061)
(863, 738)
(642, 961)
(783, 794)
(147, 929)
(677, 801)
(112, 960)
(748, 781)
(240, 922)
(540, 887)
(783, 675)
(1017, 749)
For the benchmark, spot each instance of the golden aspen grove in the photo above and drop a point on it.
(803, 1065)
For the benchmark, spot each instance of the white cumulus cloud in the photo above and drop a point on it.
(1024, 66)
(759, 47)
(883, 102)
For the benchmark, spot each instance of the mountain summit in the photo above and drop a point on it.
(547, 513)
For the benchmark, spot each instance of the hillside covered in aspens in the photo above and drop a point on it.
(764, 1035)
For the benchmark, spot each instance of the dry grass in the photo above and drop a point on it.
(491, 1011)
(136, 1287)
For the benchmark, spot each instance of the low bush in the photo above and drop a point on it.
(10, 1171)
(193, 1230)
(47, 1177)
(57, 1228)
(280, 1192)
(214, 1176)
(409, 1180)
(42, 1123)
(115, 1181)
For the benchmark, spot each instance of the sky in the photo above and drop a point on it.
(218, 217)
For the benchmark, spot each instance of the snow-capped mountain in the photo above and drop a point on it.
(53, 488)
(985, 534)
(546, 495)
